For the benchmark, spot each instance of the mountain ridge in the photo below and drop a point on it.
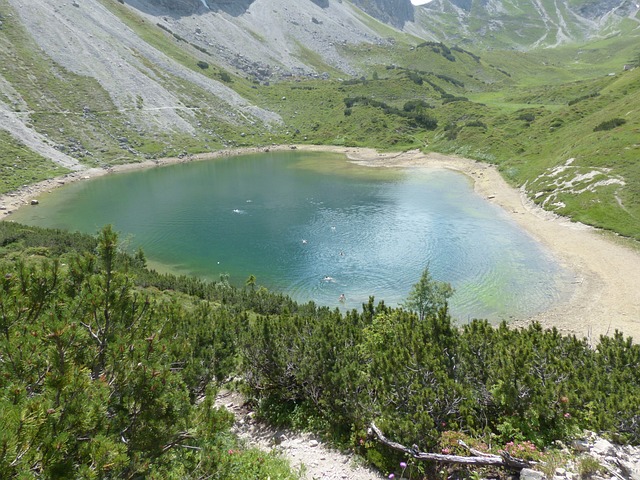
(525, 24)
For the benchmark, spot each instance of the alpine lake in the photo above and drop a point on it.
(315, 226)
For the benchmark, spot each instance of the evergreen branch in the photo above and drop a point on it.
(182, 436)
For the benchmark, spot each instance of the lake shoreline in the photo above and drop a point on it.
(605, 294)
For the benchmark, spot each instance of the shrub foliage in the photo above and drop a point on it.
(609, 124)
(108, 369)
(101, 379)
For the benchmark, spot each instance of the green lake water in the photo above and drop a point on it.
(316, 226)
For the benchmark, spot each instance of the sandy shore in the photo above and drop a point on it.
(606, 289)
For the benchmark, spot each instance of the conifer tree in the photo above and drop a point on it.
(428, 296)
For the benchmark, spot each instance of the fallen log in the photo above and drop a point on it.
(504, 460)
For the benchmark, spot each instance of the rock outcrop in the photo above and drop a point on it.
(521, 24)
(394, 12)
(180, 6)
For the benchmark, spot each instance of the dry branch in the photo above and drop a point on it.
(503, 460)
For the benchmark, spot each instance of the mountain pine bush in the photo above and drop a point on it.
(108, 369)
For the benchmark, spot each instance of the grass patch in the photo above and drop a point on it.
(20, 165)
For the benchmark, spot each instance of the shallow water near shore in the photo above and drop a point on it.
(315, 226)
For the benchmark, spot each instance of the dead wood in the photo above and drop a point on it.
(481, 459)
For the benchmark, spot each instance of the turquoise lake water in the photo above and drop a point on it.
(315, 226)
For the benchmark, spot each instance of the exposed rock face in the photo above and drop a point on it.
(180, 6)
(263, 39)
(189, 7)
(521, 24)
(595, 9)
(463, 4)
(395, 12)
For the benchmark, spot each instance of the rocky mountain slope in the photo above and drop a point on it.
(266, 39)
(525, 24)
(321, 25)
(128, 50)
(395, 12)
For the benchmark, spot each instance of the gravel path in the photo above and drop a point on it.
(304, 451)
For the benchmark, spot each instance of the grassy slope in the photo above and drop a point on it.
(520, 119)
(73, 111)
(20, 165)
(541, 132)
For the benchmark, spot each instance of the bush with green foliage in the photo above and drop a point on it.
(419, 378)
(476, 123)
(582, 97)
(100, 379)
(609, 124)
(416, 116)
(110, 370)
(527, 117)
(413, 105)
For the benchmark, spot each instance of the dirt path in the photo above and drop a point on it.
(606, 275)
(304, 452)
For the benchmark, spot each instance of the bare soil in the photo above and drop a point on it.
(305, 453)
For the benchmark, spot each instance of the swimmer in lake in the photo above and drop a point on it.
(342, 298)
(327, 278)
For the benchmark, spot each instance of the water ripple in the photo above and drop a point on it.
(292, 227)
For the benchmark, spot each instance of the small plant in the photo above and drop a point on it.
(449, 443)
(589, 466)
(203, 65)
(527, 117)
(403, 467)
(525, 450)
(553, 459)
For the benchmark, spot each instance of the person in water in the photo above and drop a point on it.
(342, 298)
